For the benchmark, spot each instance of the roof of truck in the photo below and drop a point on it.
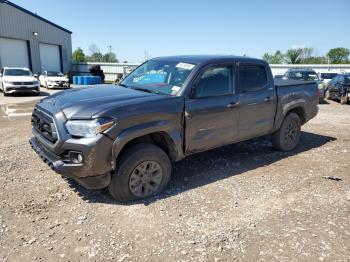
(197, 59)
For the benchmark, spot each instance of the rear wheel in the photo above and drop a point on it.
(288, 136)
(144, 170)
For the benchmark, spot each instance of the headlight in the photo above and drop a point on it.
(88, 128)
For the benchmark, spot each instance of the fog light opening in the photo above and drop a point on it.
(76, 157)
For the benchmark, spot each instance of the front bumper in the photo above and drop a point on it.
(56, 85)
(93, 172)
(10, 89)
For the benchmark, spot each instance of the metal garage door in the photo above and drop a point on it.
(13, 53)
(50, 57)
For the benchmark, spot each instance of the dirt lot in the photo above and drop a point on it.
(244, 202)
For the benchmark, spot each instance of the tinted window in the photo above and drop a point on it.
(328, 75)
(334, 80)
(252, 77)
(54, 73)
(17, 72)
(347, 80)
(215, 81)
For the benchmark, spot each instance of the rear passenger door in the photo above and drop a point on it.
(257, 100)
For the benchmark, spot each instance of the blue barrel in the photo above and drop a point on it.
(75, 80)
(85, 80)
(79, 80)
(98, 79)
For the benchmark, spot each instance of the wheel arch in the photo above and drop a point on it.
(169, 142)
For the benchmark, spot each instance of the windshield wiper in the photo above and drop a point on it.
(123, 85)
(146, 90)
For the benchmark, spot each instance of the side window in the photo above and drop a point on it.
(341, 80)
(335, 80)
(215, 81)
(252, 77)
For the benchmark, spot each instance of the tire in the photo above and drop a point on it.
(4, 91)
(288, 136)
(132, 180)
(344, 99)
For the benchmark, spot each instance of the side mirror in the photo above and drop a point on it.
(0, 75)
(117, 81)
(36, 75)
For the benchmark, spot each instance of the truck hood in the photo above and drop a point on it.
(85, 103)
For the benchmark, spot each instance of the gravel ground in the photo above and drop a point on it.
(244, 202)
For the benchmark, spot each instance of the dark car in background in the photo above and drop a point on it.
(306, 74)
(326, 77)
(339, 88)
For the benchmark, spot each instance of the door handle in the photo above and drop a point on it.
(232, 105)
(268, 99)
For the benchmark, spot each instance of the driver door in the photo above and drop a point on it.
(211, 112)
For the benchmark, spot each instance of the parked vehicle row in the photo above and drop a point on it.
(22, 80)
(331, 86)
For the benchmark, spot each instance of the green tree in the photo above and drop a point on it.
(293, 56)
(95, 54)
(110, 57)
(78, 55)
(276, 58)
(339, 55)
(95, 57)
(314, 60)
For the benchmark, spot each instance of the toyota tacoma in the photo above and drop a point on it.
(126, 137)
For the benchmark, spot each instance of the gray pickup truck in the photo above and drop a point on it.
(126, 137)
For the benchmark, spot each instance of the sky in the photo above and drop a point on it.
(139, 28)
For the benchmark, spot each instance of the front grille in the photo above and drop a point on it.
(60, 82)
(45, 125)
(22, 83)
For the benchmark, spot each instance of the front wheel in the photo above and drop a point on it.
(288, 136)
(344, 99)
(144, 170)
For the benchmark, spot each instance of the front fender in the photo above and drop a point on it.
(174, 137)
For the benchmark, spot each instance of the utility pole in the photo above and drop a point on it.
(110, 53)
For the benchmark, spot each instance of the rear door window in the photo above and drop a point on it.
(252, 77)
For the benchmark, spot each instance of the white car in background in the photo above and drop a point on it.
(53, 79)
(18, 80)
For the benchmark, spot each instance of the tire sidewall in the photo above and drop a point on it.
(119, 186)
(290, 146)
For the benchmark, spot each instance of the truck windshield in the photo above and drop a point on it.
(304, 75)
(158, 76)
(17, 72)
